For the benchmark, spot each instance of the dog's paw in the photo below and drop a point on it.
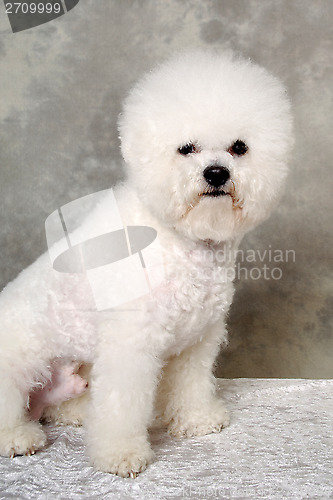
(24, 439)
(126, 458)
(200, 422)
(60, 415)
(70, 412)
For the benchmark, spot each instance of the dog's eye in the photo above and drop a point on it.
(187, 149)
(239, 148)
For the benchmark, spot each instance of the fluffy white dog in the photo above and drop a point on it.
(205, 138)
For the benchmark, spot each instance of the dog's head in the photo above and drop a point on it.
(206, 139)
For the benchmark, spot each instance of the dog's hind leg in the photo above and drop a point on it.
(23, 365)
(18, 434)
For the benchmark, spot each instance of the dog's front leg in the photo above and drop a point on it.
(186, 400)
(123, 386)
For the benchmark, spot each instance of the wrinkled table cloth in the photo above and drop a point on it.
(279, 446)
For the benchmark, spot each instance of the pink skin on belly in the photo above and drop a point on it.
(64, 384)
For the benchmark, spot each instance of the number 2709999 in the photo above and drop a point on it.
(33, 8)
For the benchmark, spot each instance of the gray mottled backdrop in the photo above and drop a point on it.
(61, 85)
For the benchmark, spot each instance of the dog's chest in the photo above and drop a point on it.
(197, 292)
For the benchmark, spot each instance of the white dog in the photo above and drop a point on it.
(205, 138)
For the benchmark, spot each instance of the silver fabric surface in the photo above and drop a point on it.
(279, 446)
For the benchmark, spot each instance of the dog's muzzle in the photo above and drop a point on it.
(216, 177)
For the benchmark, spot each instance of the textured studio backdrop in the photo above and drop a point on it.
(61, 86)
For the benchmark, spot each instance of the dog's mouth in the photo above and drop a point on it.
(215, 193)
(230, 191)
(237, 203)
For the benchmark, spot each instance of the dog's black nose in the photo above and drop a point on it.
(216, 176)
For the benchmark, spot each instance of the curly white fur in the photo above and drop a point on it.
(157, 361)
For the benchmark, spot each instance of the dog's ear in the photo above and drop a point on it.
(136, 134)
